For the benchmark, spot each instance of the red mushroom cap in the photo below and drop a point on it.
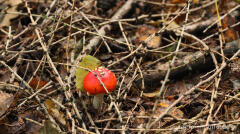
(93, 86)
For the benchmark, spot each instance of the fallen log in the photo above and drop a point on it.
(197, 61)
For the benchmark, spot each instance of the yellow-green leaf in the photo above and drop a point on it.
(49, 128)
(89, 62)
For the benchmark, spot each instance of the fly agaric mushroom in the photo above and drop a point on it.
(93, 86)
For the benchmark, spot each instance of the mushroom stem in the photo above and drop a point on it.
(98, 101)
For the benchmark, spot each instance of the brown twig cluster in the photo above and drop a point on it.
(48, 39)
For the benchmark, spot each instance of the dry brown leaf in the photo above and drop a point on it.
(5, 75)
(155, 23)
(162, 66)
(161, 104)
(37, 83)
(235, 67)
(162, 107)
(173, 25)
(183, 1)
(144, 32)
(87, 5)
(5, 102)
(52, 109)
(231, 33)
(5, 20)
(151, 95)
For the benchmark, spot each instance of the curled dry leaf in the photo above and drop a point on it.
(162, 106)
(152, 94)
(231, 34)
(52, 109)
(37, 83)
(144, 32)
(5, 102)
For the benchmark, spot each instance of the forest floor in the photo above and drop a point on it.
(176, 62)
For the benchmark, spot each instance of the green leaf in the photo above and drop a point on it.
(89, 62)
